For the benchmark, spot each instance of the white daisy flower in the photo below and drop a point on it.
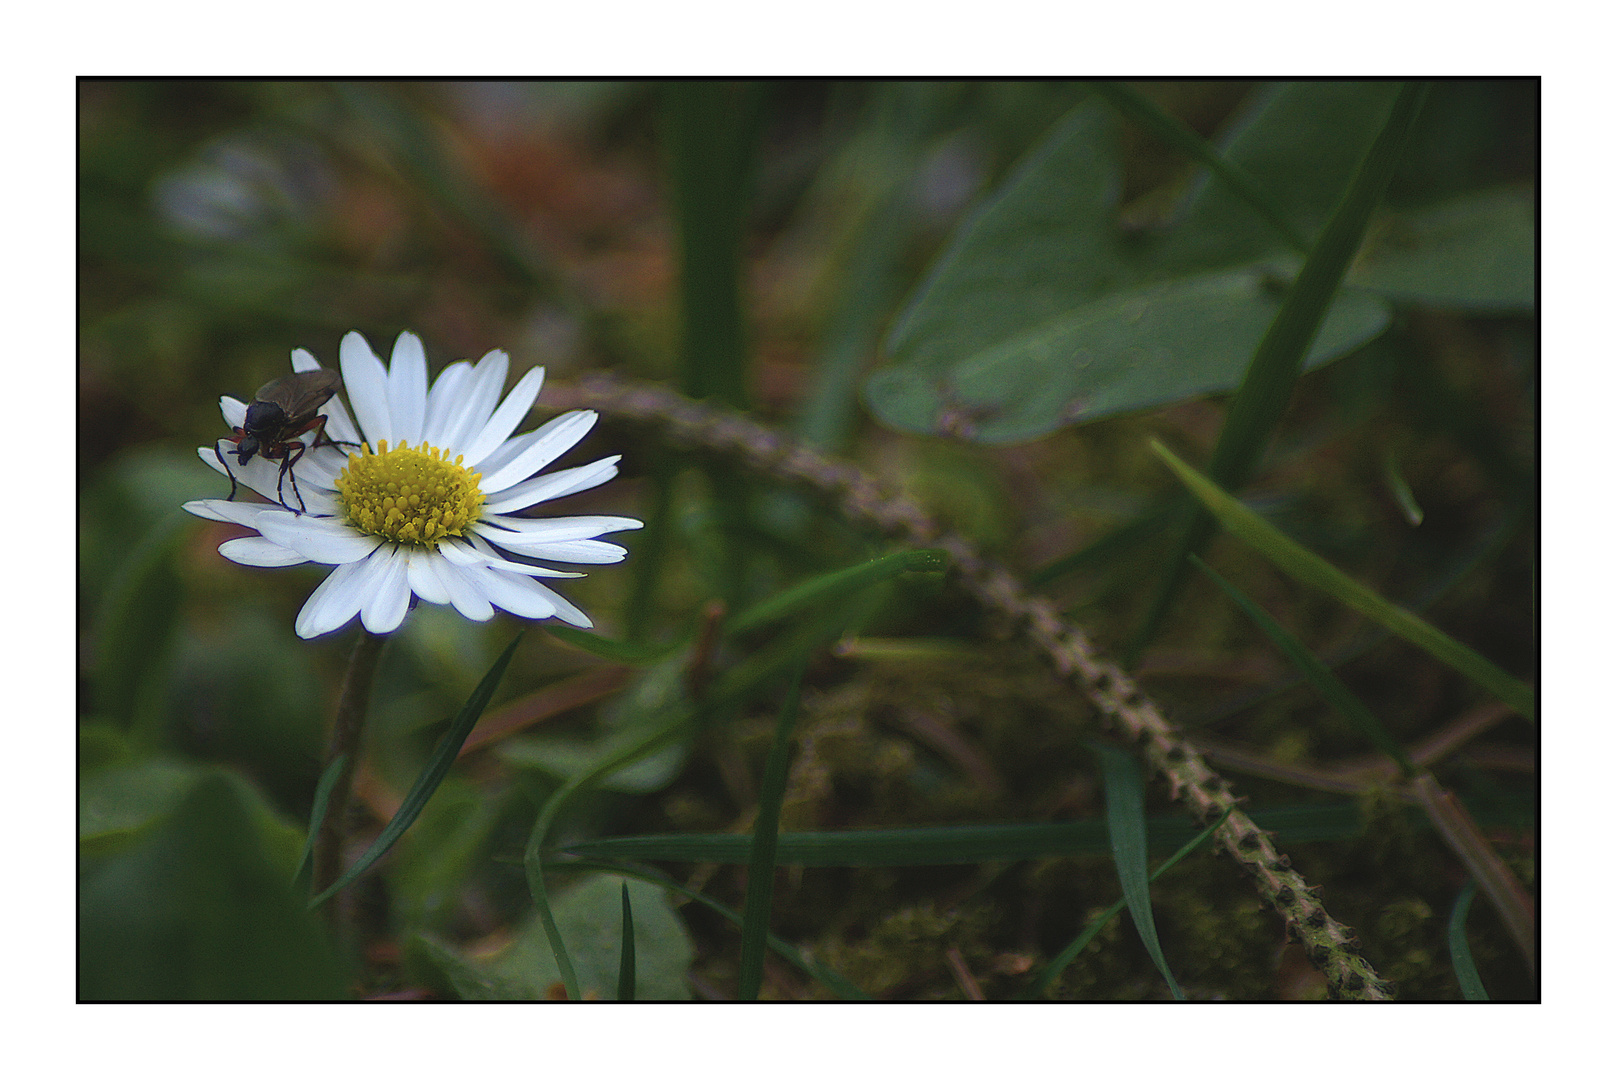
(427, 505)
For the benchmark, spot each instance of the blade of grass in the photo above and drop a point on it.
(838, 985)
(765, 832)
(1318, 675)
(1400, 490)
(317, 814)
(1461, 833)
(626, 959)
(1304, 566)
(954, 845)
(709, 132)
(1052, 970)
(1261, 400)
(1175, 133)
(432, 774)
(836, 583)
(1465, 968)
(1125, 821)
(733, 687)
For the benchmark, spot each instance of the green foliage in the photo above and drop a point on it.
(1081, 262)
(589, 913)
(184, 894)
(1308, 568)
(1046, 312)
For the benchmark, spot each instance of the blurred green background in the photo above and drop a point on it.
(749, 243)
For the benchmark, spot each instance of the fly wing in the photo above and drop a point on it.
(301, 395)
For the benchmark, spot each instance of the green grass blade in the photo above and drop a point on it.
(838, 985)
(1465, 968)
(1317, 674)
(1261, 400)
(954, 845)
(1400, 490)
(1305, 567)
(709, 133)
(765, 833)
(1125, 821)
(317, 813)
(437, 767)
(836, 583)
(1175, 133)
(626, 960)
(1052, 970)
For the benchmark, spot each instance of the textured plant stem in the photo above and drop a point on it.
(346, 734)
(1330, 946)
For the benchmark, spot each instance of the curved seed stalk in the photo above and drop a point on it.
(1331, 947)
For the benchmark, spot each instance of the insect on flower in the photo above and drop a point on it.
(281, 413)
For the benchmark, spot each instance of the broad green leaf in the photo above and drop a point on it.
(1304, 566)
(136, 624)
(1299, 143)
(198, 908)
(1128, 350)
(1474, 252)
(590, 913)
(119, 802)
(1046, 240)
(1043, 313)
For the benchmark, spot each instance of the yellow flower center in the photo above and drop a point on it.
(411, 496)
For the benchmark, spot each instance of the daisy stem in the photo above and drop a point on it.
(346, 734)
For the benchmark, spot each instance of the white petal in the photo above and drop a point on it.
(388, 598)
(477, 400)
(211, 459)
(572, 551)
(366, 382)
(560, 436)
(546, 529)
(423, 582)
(518, 595)
(467, 597)
(553, 485)
(333, 602)
(303, 360)
(407, 388)
(237, 513)
(321, 540)
(444, 401)
(483, 554)
(506, 418)
(234, 412)
(257, 551)
(565, 611)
